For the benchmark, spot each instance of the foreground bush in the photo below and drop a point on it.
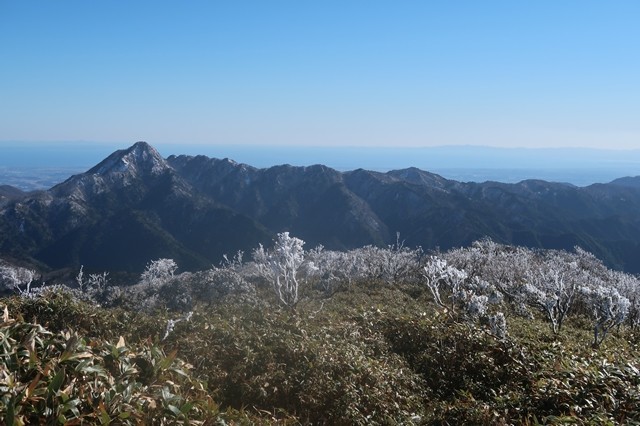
(373, 354)
(61, 377)
(473, 378)
(320, 372)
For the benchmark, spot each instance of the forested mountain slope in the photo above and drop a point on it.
(135, 206)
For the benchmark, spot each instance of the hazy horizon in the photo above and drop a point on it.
(40, 165)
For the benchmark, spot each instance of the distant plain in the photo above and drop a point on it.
(39, 165)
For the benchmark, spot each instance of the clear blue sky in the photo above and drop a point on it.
(322, 73)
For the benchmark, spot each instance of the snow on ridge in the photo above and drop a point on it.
(139, 158)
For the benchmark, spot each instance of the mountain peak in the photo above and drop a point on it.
(419, 177)
(121, 169)
(627, 182)
(139, 159)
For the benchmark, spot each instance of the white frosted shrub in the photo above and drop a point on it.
(438, 274)
(216, 285)
(17, 279)
(477, 306)
(158, 272)
(281, 265)
(498, 325)
(610, 309)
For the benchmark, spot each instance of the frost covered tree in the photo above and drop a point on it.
(94, 283)
(235, 263)
(471, 295)
(331, 268)
(393, 265)
(17, 279)
(96, 288)
(498, 325)
(552, 287)
(400, 263)
(610, 309)
(477, 295)
(504, 266)
(629, 287)
(438, 274)
(281, 266)
(158, 272)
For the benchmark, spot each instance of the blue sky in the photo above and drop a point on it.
(324, 73)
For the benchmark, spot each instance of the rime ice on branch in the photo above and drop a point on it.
(280, 265)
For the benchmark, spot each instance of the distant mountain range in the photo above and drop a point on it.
(136, 206)
(41, 165)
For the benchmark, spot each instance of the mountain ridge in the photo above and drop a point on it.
(135, 206)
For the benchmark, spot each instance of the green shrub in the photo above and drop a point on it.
(454, 356)
(256, 356)
(61, 377)
(372, 354)
(591, 389)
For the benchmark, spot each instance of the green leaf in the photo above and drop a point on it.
(180, 372)
(56, 382)
(174, 409)
(71, 404)
(86, 367)
(104, 417)
(70, 348)
(11, 413)
(33, 385)
(168, 360)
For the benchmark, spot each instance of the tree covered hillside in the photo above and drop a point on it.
(136, 205)
(487, 334)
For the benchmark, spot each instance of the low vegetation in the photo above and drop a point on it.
(488, 334)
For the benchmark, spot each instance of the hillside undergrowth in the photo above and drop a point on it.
(371, 346)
